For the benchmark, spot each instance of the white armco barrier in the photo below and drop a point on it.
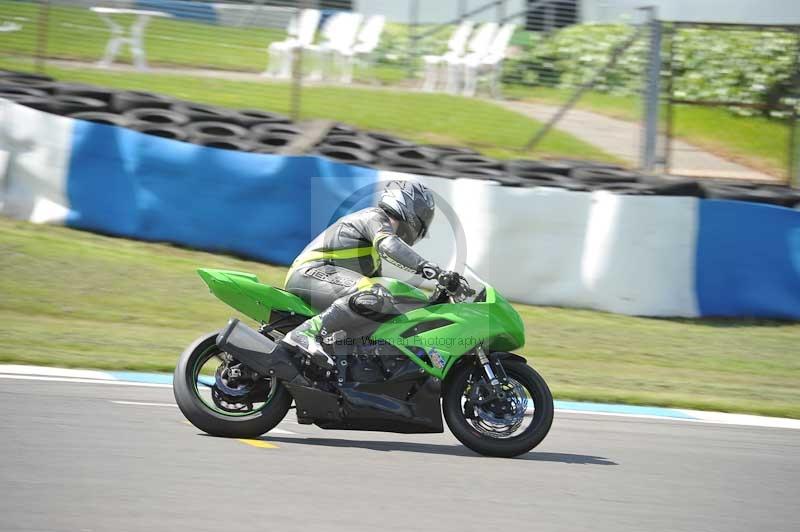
(36, 149)
(640, 255)
(624, 254)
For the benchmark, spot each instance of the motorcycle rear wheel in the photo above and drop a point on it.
(453, 406)
(218, 421)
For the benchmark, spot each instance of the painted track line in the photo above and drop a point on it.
(83, 381)
(163, 380)
(139, 403)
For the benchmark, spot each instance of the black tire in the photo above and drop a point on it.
(485, 445)
(345, 155)
(766, 195)
(124, 101)
(10, 91)
(271, 142)
(343, 129)
(67, 105)
(85, 91)
(388, 141)
(357, 142)
(211, 421)
(216, 130)
(157, 116)
(47, 86)
(583, 163)
(103, 118)
(462, 161)
(531, 168)
(204, 113)
(164, 131)
(268, 129)
(253, 117)
(223, 143)
(440, 150)
(604, 175)
(408, 155)
(663, 186)
(34, 102)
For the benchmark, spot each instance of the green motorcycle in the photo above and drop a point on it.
(449, 354)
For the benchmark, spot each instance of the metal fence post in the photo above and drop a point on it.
(413, 21)
(652, 93)
(42, 31)
(295, 98)
(794, 151)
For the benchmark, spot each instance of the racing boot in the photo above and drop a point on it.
(304, 339)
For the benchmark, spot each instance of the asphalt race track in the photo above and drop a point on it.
(107, 457)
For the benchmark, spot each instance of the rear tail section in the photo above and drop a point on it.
(255, 300)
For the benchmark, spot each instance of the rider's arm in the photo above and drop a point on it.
(391, 247)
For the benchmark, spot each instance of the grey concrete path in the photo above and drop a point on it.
(111, 457)
(622, 139)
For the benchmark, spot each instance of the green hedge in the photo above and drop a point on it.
(709, 64)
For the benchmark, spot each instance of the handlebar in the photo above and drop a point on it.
(454, 285)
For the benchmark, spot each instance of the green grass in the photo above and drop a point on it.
(754, 141)
(421, 117)
(70, 298)
(79, 34)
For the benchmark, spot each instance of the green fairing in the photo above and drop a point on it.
(243, 292)
(493, 322)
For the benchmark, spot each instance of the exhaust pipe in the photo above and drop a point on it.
(257, 351)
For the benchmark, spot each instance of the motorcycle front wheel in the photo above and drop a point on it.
(505, 427)
(222, 397)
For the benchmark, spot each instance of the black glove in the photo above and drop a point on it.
(429, 270)
(451, 281)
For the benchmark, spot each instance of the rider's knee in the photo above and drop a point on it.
(374, 303)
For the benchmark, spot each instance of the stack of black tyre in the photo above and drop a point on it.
(264, 132)
(154, 114)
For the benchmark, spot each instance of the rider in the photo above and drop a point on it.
(333, 272)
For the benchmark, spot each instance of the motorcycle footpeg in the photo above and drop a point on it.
(257, 351)
(322, 360)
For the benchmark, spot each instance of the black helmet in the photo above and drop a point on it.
(411, 204)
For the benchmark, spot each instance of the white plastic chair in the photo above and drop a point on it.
(478, 46)
(133, 37)
(455, 49)
(340, 32)
(491, 63)
(301, 29)
(369, 36)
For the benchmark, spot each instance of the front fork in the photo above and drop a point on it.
(496, 379)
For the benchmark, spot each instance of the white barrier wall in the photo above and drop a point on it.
(625, 254)
(35, 148)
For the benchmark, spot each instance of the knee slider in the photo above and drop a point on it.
(372, 303)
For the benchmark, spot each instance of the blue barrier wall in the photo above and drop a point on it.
(748, 260)
(197, 11)
(263, 206)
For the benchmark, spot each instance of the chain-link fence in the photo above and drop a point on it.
(731, 94)
(508, 79)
